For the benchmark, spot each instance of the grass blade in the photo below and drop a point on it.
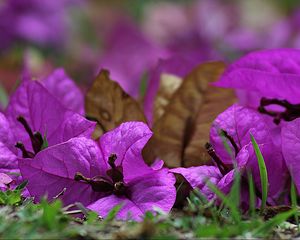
(263, 173)
(294, 200)
(235, 191)
(112, 214)
(252, 196)
(273, 222)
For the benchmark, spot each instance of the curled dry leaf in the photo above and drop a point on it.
(183, 129)
(109, 105)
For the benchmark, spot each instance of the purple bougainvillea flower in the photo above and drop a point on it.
(188, 31)
(285, 31)
(268, 74)
(222, 175)
(290, 148)
(36, 119)
(128, 55)
(236, 124)
(104, 175)
(60, 85)
(32, 21)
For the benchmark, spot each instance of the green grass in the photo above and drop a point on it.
(223, 217)
(200, 218)
(263, 173)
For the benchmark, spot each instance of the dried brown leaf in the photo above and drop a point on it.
(108, 104)
(181, 132)
(216, 100)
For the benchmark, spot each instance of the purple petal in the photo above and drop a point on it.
(127, 142)
(54, 168)
(8, 152)
(269, 73)
(8, 157)
(155, 190)
(158, 164)
(198, 177)
(128, 211)
(290, 149)
(6, 134)
(45, 114)
(61, 86)
(75, 125)
(238, 122)
(226, 182)
(5, 179)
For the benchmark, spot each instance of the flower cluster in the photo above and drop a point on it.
(267, 84)
(45, 137)
(51, 146)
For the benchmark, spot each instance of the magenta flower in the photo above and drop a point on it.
(188, 31)
(35, 120)
(285, 31)
(268, 74)
(236, 124)
(60, 85)
(102, 176)
(44, 24)
(128, 55)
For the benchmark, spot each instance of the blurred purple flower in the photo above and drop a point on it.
(182, 30)
(236, 124)
(285, 32)
(41, 23)
(103, 176)
(190, 45)
(215, 19)
(128, 55)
